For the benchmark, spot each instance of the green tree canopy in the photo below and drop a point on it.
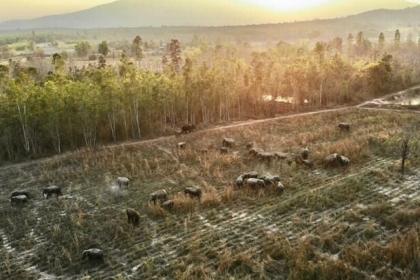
(103, 48)
(83, 48)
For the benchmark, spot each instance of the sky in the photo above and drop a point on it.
(27, 9)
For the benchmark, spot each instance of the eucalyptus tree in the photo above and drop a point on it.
(258, 78)
(362, 44)
(222, 86)
(226, 82)
(54, 99)
(7, 132)
(86, 100)
(239, 69)
(22, 110)
(111, 101)
(187, 72)
(131, 84)
(350, 45)
(203, 85)
(295, 80)
(69, 117)
(161, 99)
(169, 98)
(137, 49)
(175, 55)
(319, 51)
(381, 42)
(397, 39)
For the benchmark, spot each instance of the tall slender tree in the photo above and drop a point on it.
(397, 39)
(137, 49)
(175, 54)
(350, 45)
(381, 42)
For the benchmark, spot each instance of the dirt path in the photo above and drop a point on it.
(57, 157)
(237, 225)
(245, 123)
(363, 105)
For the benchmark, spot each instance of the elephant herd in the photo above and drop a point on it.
(251, 179)
(21, 197)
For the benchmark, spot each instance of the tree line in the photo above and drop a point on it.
(68, 108)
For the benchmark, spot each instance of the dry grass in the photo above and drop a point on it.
(354, 222)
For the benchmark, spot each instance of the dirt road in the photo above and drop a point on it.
(363, 105)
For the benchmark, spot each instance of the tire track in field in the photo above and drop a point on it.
(262, 216)
(163, 247)
(15, 217)
(375, 194)
(166, 244)
(30, 221)
(235, 222)
(258, 213)
(337, 214)
(168, 253)
(333, 216)
(21, 259)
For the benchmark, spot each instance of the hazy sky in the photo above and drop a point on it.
(27, 9)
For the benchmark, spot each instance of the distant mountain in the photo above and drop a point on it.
(144, 13)
(338, 9)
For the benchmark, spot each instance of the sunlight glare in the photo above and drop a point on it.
(287, 6)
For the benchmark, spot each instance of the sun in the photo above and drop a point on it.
(287, 6)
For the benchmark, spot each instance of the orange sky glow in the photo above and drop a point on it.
(287, 6)
(12, 9)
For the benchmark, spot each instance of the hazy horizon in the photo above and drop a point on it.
(297, 10)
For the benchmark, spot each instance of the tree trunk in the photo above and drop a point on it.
(320, 92)
(164, 119)
(72, 144)
(203, 112)
(137, 117)
(89, 134)
(125, 126)
(8, 142)
(24, 123)
(55, 135)
(111, 118)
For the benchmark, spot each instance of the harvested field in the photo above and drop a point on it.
(348, 222)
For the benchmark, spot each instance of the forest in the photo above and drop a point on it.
(59, 108)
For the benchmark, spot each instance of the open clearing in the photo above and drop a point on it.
(355, 222)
